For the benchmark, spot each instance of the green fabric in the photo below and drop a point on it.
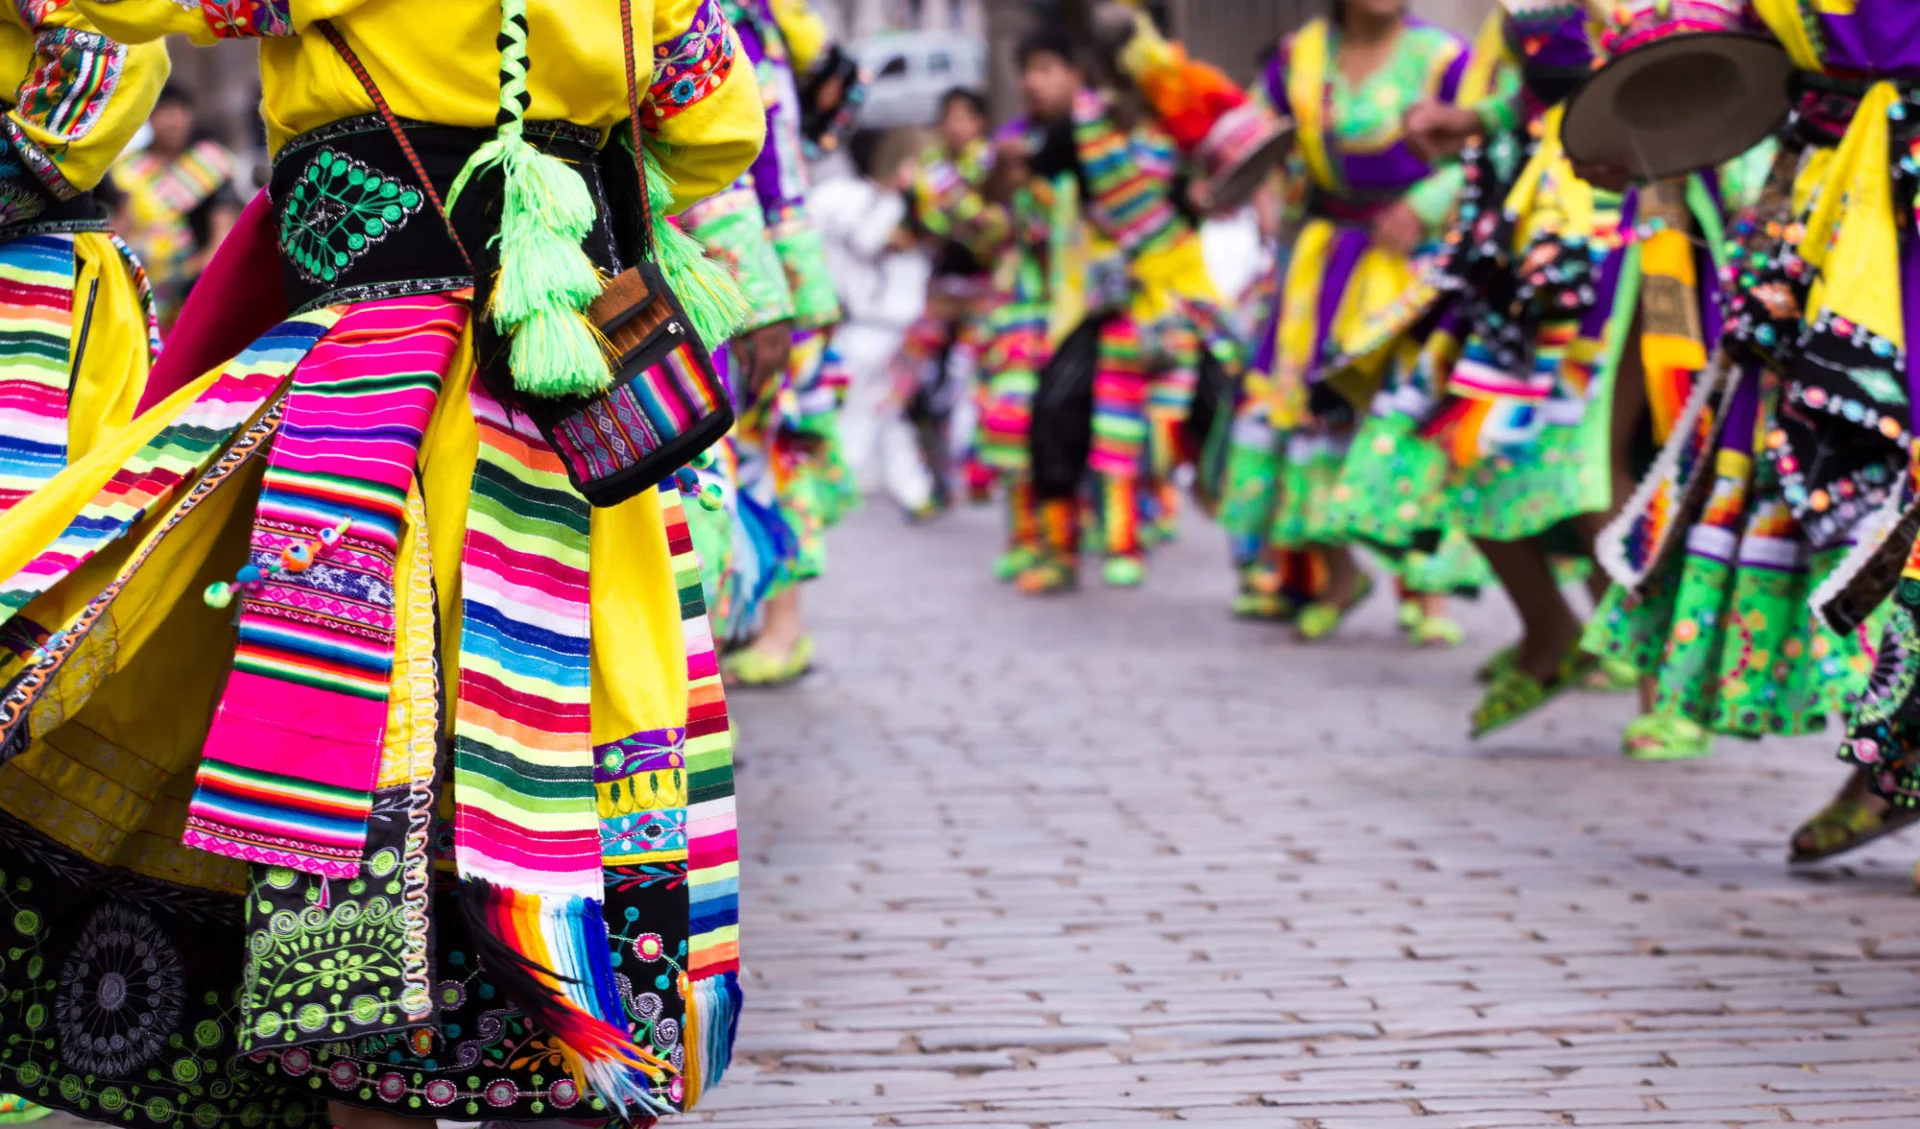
(1392, 484)
(1433, 198)
(803, 253)
(737, 236)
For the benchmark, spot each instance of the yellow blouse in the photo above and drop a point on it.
(439, 62)
(80, 97)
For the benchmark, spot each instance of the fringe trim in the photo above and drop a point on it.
(713, 1021)
(549, 955)
(1610, 548)
(707, 288)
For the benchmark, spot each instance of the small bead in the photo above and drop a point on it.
(712, 497)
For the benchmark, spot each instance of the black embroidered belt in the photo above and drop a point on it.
(355, 226)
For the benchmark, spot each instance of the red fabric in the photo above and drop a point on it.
(238, 299)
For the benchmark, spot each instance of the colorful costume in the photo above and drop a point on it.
(788, 482)
(1298, 475)
(1780, 496)
(170, 202)
(942, 347)
(1120, 272)
(459, 741)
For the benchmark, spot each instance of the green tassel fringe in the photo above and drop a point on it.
(706, 287)
(546, 281)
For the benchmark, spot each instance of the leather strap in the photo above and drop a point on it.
(393, 123)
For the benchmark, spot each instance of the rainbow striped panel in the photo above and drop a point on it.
(290, 764)
(634, 419)
(179, 453)
(36, 361)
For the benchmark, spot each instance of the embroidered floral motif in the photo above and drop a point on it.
(122, 993)
(689, 67)
(248, 19)
(339, 210)
(77, 75)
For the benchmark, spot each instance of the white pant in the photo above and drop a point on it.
(874, 436)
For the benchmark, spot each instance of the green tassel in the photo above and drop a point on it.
(546, 280)
(706, 287)
(554, 347)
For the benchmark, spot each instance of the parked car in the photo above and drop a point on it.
(909, 71)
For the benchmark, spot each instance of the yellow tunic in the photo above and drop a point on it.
(113, 784)
(78, 101)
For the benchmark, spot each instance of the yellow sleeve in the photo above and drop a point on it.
(703, 115)
(144, 21)
(805, 33)
(82, 99)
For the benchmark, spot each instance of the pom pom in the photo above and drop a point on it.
(218, 595)
(706, 287)
(712, 497)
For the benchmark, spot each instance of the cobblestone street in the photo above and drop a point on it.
(1115, 859)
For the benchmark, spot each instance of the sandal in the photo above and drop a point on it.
(1008, 566)
(1322, 618)
(1513, 693)
(1665, 737)
(1500, 660)
(1611, 675)
(1437, 631)
(757, 670)
(1123, 572)
(1271, 607)
(1048, 578)
(1844, 825)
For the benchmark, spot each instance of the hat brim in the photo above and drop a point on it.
(1679, 104)
(1229, 189)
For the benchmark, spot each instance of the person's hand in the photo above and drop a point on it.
(1398, 229)
(768, 349)
(1435, 129)
(1610, 175)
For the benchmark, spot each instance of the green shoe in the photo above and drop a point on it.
(1008, 566)
(1498, 661)
(1611, 675)
(1322, 618)
(1844, 825)
(757, 670)
(1269, 607)
(1123, 572)
(1047, 578)
(1408, 615)
(1513, 693)
(1665, 737)
(1437, 631)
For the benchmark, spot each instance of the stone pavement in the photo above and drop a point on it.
(1114, 859)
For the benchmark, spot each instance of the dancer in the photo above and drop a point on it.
(180, 201)
(1369, 204)
(1807, 425)
(240, 632)
(939, 357)
(1114, 300)
(76, 326)
(792, 482)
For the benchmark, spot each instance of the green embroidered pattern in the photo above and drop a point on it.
(324, 956)
(338, 211)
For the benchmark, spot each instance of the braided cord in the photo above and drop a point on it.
(515, 97)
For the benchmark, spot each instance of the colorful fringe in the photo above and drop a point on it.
(526, 823)
(36, 370)
(290, 764)
(1125, 185)
(713, 853)
(171, 458)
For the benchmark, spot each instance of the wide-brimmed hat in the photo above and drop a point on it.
(1685, 87)
(1238, 152)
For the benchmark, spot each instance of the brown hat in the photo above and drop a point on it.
(1686, 87)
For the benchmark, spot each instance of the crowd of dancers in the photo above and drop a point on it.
(1541, 315)
(364, 746)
